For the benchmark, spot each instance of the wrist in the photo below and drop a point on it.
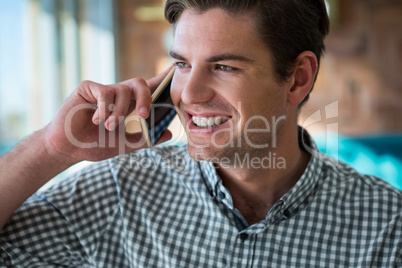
(51, 154)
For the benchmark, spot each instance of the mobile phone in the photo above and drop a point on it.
(161, 114)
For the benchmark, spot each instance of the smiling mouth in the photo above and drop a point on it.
(209, 121)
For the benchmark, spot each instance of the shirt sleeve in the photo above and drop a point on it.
(62, 226)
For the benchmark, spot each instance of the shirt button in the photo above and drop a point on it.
(221, 195)
(243, 236)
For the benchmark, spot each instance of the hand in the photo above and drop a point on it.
(90, 123)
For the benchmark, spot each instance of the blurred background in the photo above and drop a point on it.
(48, 46)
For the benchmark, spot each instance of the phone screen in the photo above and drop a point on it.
(161, 114)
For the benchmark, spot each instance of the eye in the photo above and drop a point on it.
(181, 65)
(225, 68)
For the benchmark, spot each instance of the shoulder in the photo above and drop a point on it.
(359, 189)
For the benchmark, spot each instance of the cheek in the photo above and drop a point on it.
(175, 92)
(263, 100)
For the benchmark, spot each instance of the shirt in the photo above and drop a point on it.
(160, 208)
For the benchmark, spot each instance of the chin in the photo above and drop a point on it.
(199, 153)
(209, 153)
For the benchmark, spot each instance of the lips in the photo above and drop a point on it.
(209, 121)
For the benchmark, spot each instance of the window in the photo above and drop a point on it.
(46, 48)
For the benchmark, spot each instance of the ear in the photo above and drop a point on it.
(302, 77)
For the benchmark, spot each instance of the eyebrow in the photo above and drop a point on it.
(215, 58)
(176, 55)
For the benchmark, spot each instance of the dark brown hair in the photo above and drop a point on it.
(288, 27)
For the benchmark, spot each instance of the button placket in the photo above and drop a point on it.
(224, 196)
(243, 250)
(221, 195)
(243, 236)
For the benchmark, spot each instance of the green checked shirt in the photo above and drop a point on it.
(160, 208)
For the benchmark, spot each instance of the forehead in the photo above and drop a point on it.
(217, 30)
(213, 19)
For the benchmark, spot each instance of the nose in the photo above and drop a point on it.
(196, 88)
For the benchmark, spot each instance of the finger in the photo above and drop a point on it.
(105, 103)
(120, 108)
(142, 96)
(102, 96)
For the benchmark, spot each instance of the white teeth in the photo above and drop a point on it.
(204, 122)
(209, 122)
(218, 120)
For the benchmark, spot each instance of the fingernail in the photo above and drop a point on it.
(112, 126)
(96, 122)
(144, 111)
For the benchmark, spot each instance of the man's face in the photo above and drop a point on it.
(225, 86)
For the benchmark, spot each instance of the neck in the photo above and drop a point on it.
(256, 188)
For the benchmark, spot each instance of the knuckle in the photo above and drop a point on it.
(116, 115)
(139, 87)
(86, 83)
(107, 93)
(112, 107)
(123, 89)
(138, 80)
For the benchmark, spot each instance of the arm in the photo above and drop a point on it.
(85, 128)
(23, 171)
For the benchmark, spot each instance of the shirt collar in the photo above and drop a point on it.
(210, 176)
(292, 201)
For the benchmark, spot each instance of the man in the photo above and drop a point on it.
(248, 65)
